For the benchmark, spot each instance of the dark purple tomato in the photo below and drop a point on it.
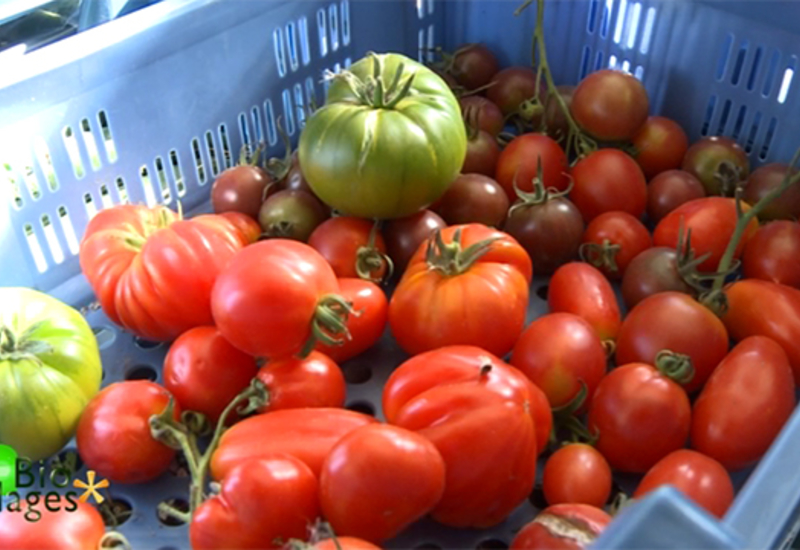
(404, 236)
(482, 154)
(474, 198)
(474, 65)
(488, 116)
(765, 179)
(654, 270)
(512, 87)
(773, 253)
(719, 163)
(291, 214)
(668, 190)
(554, 118)
(294, 180)
(242, 189)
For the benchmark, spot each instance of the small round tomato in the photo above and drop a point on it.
(654, 270)
(712, 221)
(404, 236)
(75, 525)
(677, 323)
(474, 65)
(360, 477)
(773, 254)
(352, 246)
(719, 163)
(291, 214)
(608, 180)
(344, 543)
(114, 437)
(242, 189)
(559, 352)
(660, 145)
(366, 325)
(205, 372)
(562, 527)
(612, 240)
(512, 86)
(482, 153)
(670, 189)
(640, 415)
(765, 179)
(474, 198)
(610, 105)
(554, 118)
(518, 164)
(488, 115)
(577, 474)
(701, 478)
(315, 381)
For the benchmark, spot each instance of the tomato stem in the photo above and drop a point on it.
(601, 256)
(115, 541)
(329, 325)
(675, 366)
(449, 258)
(277, 168)
(369, 259)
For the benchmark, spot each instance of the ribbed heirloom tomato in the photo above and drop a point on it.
(467, 285)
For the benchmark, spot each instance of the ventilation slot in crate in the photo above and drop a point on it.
(311, 92)
(74, 154)
(291, 42)
(333, 18)
(147, 186)
(90, 206)
(90, 143)
(177, 173)
(105, 197)
(258, 124)
(211, 150)
(345, 22)
(322, 30)
(199, 166)
(68, 230)
(45, 162)
(56, 252)
(35, 248)
(163, 183)
(300, 104)
(246, 135)
(305, 46)
(280, 51)
(786, 81)
(272, 129)
(227, 156)
(11, 185)
(288, 111)
(122, 191)
(108, 138)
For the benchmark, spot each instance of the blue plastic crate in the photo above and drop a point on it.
(152, 106)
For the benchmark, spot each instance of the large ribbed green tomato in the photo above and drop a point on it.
(388, 142)
(49, 369)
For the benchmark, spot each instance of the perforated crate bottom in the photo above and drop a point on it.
(126, 357)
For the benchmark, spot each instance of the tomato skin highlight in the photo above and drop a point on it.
(577, 474)
(737, 393)
(641, 416)
(773, 254)
(316, 381)
(562, 527)
(608, 180)
(699, 477)
(78, 529)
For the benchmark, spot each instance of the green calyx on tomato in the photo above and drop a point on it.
(540, 193)
(370, 260)
(329, 325)
(451, 258)
(16, 347)
(374, 91)
(675, 366)
(601, 255)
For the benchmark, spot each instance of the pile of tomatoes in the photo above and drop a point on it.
(308, 260)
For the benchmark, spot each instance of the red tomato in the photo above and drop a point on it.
(345, 243)
(315, 381)
(245, 515)
(205, 372)
(74, 526)
(676, 322)
(765, 179)
(458, 364)
(581, 289)
(670, 189)
(307, 434)
(248, 226)
(702, 479)
(114, 437)
(562, 527)
(361, 476)
(608, 180)
(660, 145)
(404, 236)
(137, 258)
(610, 105)
(559, 351)
(366, 326)
(712, 221)
(345, 543)
(723, 424)
(577, 474)
(640, 415)
(773, 254)
(612, 240)
(449, 299)
(766, 309)
(518, 163)
(267, 300)
(719, 163)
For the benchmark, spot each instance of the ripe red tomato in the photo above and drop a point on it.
(612, 240)
(519, 161)
(129, 248)
(482, 153)
(610, 105)
(780, 320)
(306, 434)
(74, 526)
(608, 180)
(513, 86)
(447, 299)
(344, 543)
(676, 322)
(765, 179)
(719, 163)
(654, 270)
(577, 474)
(205, 372)
(114, 436)
(660, 145)
(460, 364)
(562, 527)
(773, 254)
(699, 477)
(268, 298)
(474, 198)
(315, 381)
(474, 65)
(248, 227)
(640, 415)
(488, 115)
(735, 395)
(361, 476)
(366, 326)
(670, 189)
(345, 243)
(404, 236)
(581, 289)
(244, 514)
(242, 189)
(559, 351)
(712, 221)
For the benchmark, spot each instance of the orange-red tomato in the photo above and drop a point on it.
(660, 145)
(577, 474)
(773, 253)
(562, 527)
(315, 381)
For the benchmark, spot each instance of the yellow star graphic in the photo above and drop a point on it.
(91, 487)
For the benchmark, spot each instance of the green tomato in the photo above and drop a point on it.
(49, 370)
(389, 141)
